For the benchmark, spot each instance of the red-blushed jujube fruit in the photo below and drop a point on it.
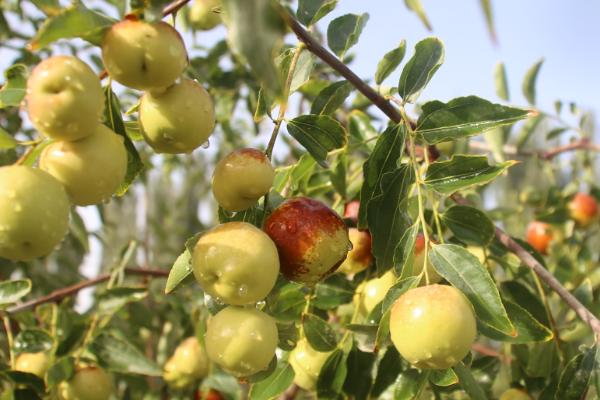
(307, 364)
(351, 210)
(34, 213)
(360, 257)
(88, 383)
(241, 178)
(583, 208)
(91, 169)
(433, 327)
(242, 341)
(188, 364)
(179, 119)
(236, 262)
(64, 98)
(312, 240)
(539, 236)
(144, 55)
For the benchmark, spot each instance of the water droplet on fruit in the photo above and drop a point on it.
(350, 246)
(167, 138)
(206, 144)
(68, 78)
(243, 290)
(291, 227)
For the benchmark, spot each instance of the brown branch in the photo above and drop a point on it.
(60, 294)
(582, 144)
(174, 7)
(290, 393)
(316, 48)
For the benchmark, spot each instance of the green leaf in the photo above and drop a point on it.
(274, 384)
(387, 215)
(469, 225)
(310, 11)
(387, 371)
(530, 80)
(468, 382)
(114, 120)
(529, 330)
(118, 355)
(428, 57)
(464, 116)
(11, 291)
(112, 300)
(26, 379)
(384, 158)
(255, 35)
(76, 21)
(331, 98)
(461, 172)
(343, 32)
(398, 290)
(359, 126)
(334, 291)
(358, 379)
(465, 272)
(181, 269)
(390, 61)
(33, 341)
(417, 8)
(289, 303)
(48, 7)
(404, 255)
(332, 376)
(32, 157)
(486, 6)
(61, 370)
(12, 92)
(501, 81)
(409, 384)
(575, 378)
(6, 140)
(301, 74)
(319, 134)
(319, 333)
(443, 377)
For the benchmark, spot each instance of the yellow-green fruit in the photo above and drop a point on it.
(34, 363)
(34, 213)
(419, 262)
(515, 394)
(64, 98)
(88, 383)
(202, 16)
(307, 364)
(360, 257)
(142, 55)
(236, 262)
(188, 364)
(179, 119)
(241, 178)
(372, 292)
(478, 252)
(433, 327)
(242, 341)
(91, 169)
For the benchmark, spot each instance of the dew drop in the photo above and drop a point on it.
(243, 290)
(206, 144)
(350, 246)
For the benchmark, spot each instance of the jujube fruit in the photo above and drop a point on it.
(34, 363)
(515, 394)
(372, 292)
(419, 262)
(34, 212)
(236, 263)
(202, 15)
(360, 257)
(88, 383)
(433, 327)
(539, 236)
(583, 208)
(188, 364)
(307, 364)
(241, 178)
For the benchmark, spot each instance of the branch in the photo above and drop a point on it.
(317, 49)
(60, 294)
(174, 7)
(582, 144)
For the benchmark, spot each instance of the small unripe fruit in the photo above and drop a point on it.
(583, 208)
(179, 119)
(64, 98)
(236, 262)
(312, 240)
(307, 364)
(539, 236)
(242, 341)
(360, 257)
(419, 262)
(433, 327)
(515, 394)
(202, 16)
(373, 291)
(34, 363)
(188, 364)
(88, 383)
(142, 55)
(241, 179)
(34, 213)
(91, 169)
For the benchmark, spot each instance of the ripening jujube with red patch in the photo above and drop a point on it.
(360, 257)
(583, 208)
(539, 236)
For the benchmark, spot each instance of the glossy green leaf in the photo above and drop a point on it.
(332, 376)
(417, 8)
(390, 61)
(404, 254)
(310, 11)
(383, 159)
(530, 80)
(469, 225)
(409, 384)
(303, 69)
(6, 140)
(319, 134)
(28, 380)
(358, 379)
(575, 378)
(343, 32)
(332, 292)
(468, 383)
(518, 293)
(464, 116)
(12, 92)
(255, 34)
(359, 126)
(387, 371)
(112, 300)
(529, 330)
(274, 384)
(33, 156)
(11, 291)
(428, 58)
(331, 98)
(319, 333)
(399, 288)
(464, 271)
(48, 7)
(76, 21)
(61, 370)
(181, 269)
(501, 81)
(288, 303)
(461, 172)
(33, 341)
(387, 215)
(118, 355)
(443, 377)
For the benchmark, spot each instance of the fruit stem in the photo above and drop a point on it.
(9, 339)
(551, 320)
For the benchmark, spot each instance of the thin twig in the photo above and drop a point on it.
(582, 144)
(9, 340)
(386, 107)
(60, 294)
(174, 7)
